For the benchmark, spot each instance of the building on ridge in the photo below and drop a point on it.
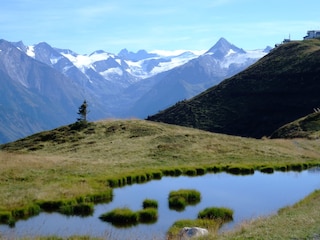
(312, 34)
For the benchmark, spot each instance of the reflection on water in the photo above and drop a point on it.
(249, 196)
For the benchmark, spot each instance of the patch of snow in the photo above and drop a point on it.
(30, 51)
(112, 71)
(65, 69)
(175, 62)
(230, 52)
(80, 61)
(84, 61)
(55, 60)
(172, 59)
(135, 69)
(100, 56)
(241, 58)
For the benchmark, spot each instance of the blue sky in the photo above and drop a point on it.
(111, 25)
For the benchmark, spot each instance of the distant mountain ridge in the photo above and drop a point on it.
(280, 88)
(44, 86)
(32, 94)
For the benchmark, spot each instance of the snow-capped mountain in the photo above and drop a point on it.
(123, 69)
(223, 60)
(144, 65)
(138, 65)
(223, 49)
(44, 85)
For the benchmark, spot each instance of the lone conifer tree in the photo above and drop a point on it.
(83, 111)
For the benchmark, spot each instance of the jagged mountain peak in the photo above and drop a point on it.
(223, 48)
(135, 57)
(43, 44)
(123, 51)
(45, 53)
(98, 52)
(20, 45)
(8, 45)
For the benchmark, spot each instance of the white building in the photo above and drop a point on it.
(312, 34)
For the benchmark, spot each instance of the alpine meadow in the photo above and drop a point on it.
(264, 118)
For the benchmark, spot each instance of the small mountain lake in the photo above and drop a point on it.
(250, 196)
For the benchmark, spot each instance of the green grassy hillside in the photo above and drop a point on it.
(306, 127)
(78, 161)
(280, 88)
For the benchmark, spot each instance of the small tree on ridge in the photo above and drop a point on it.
(83, 111)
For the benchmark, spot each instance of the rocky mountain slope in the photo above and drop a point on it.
(32, 94)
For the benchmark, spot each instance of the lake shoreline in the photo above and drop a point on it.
(237, 186)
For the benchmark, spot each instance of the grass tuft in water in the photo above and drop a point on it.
(121, 217)
(78, 209)
(6, 217)
(223, 214)
(150, 203)
(81, 206)
(267, 170)
(24, 213)
(240, 170)
(148, 215)
(201, 171)
(190, 172)
(178, 200)
(172, 172)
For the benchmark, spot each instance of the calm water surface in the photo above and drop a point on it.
(249, 196)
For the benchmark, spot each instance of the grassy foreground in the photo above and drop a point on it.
(300, 221)
(70, 162)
